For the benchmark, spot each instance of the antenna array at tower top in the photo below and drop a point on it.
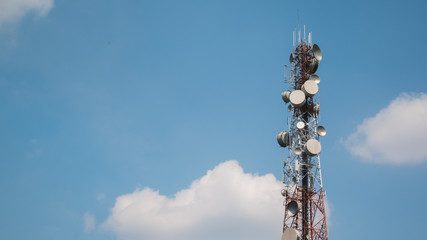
(301, 39)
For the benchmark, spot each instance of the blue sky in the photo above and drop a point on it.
(99, 98)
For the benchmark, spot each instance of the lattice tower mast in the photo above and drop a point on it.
(305, 215)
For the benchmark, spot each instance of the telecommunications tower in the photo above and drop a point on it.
(305, 216)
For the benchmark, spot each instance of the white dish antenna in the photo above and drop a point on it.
(283, 192)
(315, 78)
(300, 125)
(285, 96)
(321, 130)
(317, 53)
(292, 208)
(313, 65)
(312, 147)
(290, 234)
(297, 98)
(283, 138)
(310, 88)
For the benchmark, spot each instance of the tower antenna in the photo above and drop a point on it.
(305, 215)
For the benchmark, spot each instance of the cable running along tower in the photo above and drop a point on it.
(305, 216)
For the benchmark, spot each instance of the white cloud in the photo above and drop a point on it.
(397, 134)
(14, 10)
(89, 222)
(224, 204)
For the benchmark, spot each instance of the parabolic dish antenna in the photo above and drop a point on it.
(290, 234)
(317, 53)
(321, 131)
(283, 192)
(300, 125)
(283, 138)
(315, 78)
(285, 96)
(292, 208)
(310, 88)
(313, 65)
(312, 147)
(297, 98)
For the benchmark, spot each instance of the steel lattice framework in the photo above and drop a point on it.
(305, 216)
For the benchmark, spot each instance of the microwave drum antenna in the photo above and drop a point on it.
(317, 53)
(292, 208)
(315, 78)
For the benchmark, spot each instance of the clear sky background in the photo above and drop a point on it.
(109, 108)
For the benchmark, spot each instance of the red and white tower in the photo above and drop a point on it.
(305, 215)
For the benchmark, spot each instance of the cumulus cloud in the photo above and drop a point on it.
(397, 134)
(225, 204)
(89, 222)
(14, 10)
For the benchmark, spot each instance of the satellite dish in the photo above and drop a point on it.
(312, 66)
(290, 234)
(297, 151)
(321, 131)
(292, 208)
(297, 98)
(285, 96)
(310, 88)
(283, 138)
(283, 192)
(317, 53)
(291, 58)
(312, 147)
(300, 125)
(315, 78)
